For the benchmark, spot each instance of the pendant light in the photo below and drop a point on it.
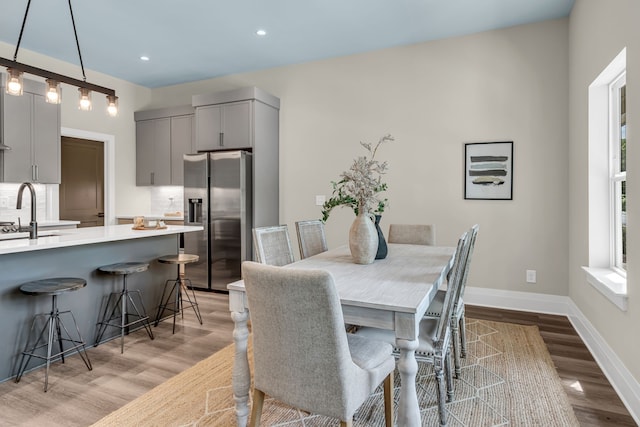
(53, 96)
(14, 82)
(15, 71)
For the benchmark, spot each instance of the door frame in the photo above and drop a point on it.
(53, 201)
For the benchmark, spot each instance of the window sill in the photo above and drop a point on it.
(610, 284)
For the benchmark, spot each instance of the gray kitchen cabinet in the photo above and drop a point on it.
(224, 126)
(31, 127)
(163, 136)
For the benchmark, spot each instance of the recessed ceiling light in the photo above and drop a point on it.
(261, 33)
(144, 58)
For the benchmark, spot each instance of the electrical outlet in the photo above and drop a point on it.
(4, 202)
(531, 276)
(320, 200)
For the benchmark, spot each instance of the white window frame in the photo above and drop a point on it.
(616, 175)
(601, 274)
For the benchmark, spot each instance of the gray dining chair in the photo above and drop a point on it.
(413, 234)
(459, 325)
(434, 336)
(308, 361)
(311, 237)
(272, 245)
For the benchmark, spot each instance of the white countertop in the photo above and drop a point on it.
(84, 236)
(154, 217)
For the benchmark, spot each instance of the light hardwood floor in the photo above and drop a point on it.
(78, 397)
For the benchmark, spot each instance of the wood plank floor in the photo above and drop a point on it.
(78, 397)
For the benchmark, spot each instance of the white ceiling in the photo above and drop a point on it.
(189, 40)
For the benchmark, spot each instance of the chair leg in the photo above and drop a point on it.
(256, 408)
(388, 400)
(440, 383)
(455, 339)
(463, 335)
(449, 376)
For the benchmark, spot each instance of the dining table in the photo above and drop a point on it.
(391, 293)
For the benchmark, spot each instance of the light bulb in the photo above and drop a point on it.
(85, 99)
(112, 105)
(53, 92)
(14, 83)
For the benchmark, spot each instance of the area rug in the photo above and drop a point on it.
(507, 378)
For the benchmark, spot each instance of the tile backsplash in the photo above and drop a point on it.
(166, 199)
(9, 197)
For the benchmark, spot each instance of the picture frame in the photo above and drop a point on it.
(488, 170)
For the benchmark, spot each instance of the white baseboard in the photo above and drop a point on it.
(616, 372)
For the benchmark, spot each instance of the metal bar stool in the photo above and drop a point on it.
(121, 298)
(53, 324)
(179, 284)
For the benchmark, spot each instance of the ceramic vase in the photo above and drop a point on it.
(363, 239)
(382, 243)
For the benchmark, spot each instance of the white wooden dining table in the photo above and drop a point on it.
(392, 293)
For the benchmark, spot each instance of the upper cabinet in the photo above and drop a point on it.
(163, 136)
(224, 126)
(31, 128)
(227, 120)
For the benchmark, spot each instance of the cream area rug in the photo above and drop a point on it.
(507, 378)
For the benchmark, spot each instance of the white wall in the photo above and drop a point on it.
(495, 86)
(132, 98)
(599, 30)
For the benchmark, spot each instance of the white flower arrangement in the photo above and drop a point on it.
(360, 184)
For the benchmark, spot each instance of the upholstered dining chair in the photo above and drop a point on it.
(458, 321)
(311, 237)
(272, 245)
(435, 336)
(413, 234)
(302, 355)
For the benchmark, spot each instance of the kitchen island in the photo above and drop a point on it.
(78, 253)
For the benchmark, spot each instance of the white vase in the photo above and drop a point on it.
(363, 239)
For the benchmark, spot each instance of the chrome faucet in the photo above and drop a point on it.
(33, 225)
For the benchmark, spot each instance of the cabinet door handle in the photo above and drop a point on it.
(37, 174)
(153, 178)
(221, 139)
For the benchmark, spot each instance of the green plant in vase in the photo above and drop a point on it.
(360, 185)
(359, 188)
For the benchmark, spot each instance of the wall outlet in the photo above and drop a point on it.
(320, 200)
(531, 276)
(4, 202)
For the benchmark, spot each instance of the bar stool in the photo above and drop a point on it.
(179, 284)
(121, 298)
(54, 324)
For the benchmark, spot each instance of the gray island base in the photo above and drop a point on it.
(77, 253)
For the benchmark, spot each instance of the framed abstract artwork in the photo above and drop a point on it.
(488, 170)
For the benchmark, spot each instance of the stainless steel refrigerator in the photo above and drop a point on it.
(218, 196)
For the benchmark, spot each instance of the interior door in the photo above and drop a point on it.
(82, 184)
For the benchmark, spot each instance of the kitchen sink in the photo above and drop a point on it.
(25, 234)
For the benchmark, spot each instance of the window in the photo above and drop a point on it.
(618, 173)
(607, 179)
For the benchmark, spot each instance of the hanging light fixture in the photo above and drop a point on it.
(53, 96)
(112, 105)
(15, 71)
(14, 82)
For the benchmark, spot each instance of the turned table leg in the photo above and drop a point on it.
(241, 377)
(408, 409)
